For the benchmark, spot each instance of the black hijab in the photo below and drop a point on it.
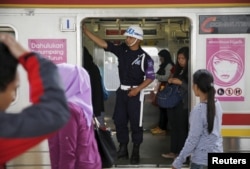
(96, 82)
(166, 60)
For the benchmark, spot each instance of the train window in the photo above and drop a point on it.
(7, 29)
(110, 72)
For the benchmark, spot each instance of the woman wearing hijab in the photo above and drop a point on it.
(166, 69)
(74, 146)
(96, 86)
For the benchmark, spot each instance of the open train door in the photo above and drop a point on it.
(169, 33)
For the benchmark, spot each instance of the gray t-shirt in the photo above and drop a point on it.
(199, 142)
(164, 78)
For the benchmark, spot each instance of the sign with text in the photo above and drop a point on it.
(229, 160)
(52, 49)
(225, 59)
(224, 24)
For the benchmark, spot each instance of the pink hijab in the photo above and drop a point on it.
(76, 82)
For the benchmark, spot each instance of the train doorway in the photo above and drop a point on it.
(169, 33)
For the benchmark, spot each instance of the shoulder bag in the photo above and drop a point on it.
(170, 96)
(106, 145)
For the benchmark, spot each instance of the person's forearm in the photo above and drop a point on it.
(100, 42)
(15, 48)
(145, 83)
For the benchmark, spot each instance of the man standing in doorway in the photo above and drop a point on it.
(136, 71)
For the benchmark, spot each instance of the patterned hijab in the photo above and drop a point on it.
(77, 87)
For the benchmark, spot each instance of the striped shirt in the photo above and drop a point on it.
(199, 142)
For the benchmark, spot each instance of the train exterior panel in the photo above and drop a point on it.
(124, 3)
(54, 28)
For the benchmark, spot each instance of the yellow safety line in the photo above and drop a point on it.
(236, 132)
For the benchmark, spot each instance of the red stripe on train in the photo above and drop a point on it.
(236, 119)
(124, 2)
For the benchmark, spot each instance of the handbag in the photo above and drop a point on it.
(170, 96)
(153, 94)
(106, 145)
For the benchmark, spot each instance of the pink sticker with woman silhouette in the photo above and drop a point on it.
(226, 60)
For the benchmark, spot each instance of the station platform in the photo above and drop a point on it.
(150, 152)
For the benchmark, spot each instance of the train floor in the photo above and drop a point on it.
(150, 152)
(155, 145)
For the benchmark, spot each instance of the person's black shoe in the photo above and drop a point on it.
(135, 157)
(123, 151)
